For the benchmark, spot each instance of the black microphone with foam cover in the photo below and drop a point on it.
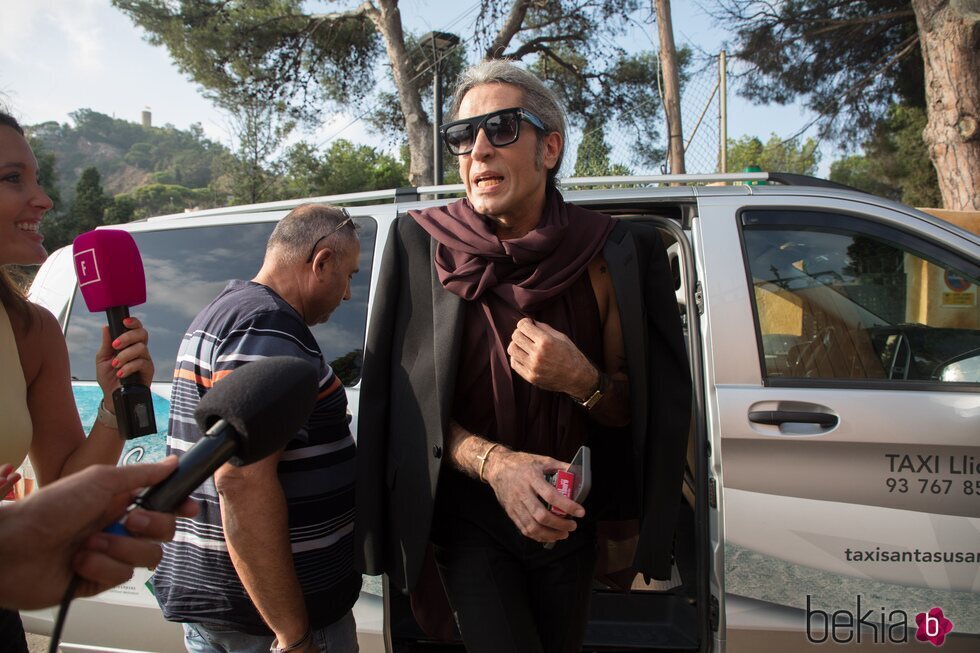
(252, 413)
(111, 279)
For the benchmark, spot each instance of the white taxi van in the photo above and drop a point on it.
(832, 495)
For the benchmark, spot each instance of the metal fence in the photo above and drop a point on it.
(703, 121)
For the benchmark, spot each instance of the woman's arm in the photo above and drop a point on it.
(59, 446)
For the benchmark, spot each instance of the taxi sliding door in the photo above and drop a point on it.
(843, 363)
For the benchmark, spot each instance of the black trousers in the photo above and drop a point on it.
(509, 593)
(12, 638)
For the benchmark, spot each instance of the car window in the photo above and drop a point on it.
(839, 299)
(186, 268)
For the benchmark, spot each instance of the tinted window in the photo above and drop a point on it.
(185, 270)
(839, 303)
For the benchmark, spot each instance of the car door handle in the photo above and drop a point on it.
(779, 417)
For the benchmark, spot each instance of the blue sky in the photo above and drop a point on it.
(62, 55)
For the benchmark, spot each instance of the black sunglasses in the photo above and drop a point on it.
(343, 223)
(501, 127)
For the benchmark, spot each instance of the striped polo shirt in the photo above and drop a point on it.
(196, 581)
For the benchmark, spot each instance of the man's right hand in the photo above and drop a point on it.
(518, 480)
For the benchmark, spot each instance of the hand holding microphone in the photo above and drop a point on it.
(111, 279)
(55, 533)
(252, 413)
(249, 415)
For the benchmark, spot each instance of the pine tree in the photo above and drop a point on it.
(90, 204)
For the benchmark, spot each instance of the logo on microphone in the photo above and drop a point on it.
(87, 267)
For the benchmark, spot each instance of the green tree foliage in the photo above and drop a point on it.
(161, 199)
(47, 174)
(266, 50)
(58, 230)
(100, 155)
(387, 117)
(90, 203)
(100, 128)
(848, 61)
(121, 210)
(54, 226)
(858, 171)
(901, 158)
(775, 155)
(128, 154)
(895, 163)
(625, 95)
(592, 157)
(305, 63)
(182, 157)
(87, 211)
(252, 173)
(265, 62)
(344, 168)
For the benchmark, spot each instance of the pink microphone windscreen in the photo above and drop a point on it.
(109, 269)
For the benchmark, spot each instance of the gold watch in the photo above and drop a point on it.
(594, 398)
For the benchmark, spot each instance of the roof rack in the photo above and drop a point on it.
(376, 196)
(783, 178)
(416, 194)
(793, 179)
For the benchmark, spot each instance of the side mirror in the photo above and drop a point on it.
(965, 370)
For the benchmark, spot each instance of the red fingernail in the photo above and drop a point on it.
(119, 374)
(115, 362)
(115, 343)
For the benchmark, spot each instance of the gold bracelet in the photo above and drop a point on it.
(483, 459)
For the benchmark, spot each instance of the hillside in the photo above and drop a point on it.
(103, 171)
(128, 155)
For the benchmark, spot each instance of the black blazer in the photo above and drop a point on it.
(407, 391)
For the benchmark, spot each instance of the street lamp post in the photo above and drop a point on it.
(441, 43)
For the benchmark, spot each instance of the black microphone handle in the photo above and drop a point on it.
(115, 315)
(193, 468)
(132, 401)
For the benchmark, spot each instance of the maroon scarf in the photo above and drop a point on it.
(504, 281)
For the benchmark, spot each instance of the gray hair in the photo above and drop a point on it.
(297, 234)
(538, 98)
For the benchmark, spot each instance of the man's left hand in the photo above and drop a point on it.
(550, 360)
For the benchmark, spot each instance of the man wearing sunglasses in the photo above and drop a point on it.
(266, 563)
(509, 329)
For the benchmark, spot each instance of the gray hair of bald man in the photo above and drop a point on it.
(538, 99)
(305, 228)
